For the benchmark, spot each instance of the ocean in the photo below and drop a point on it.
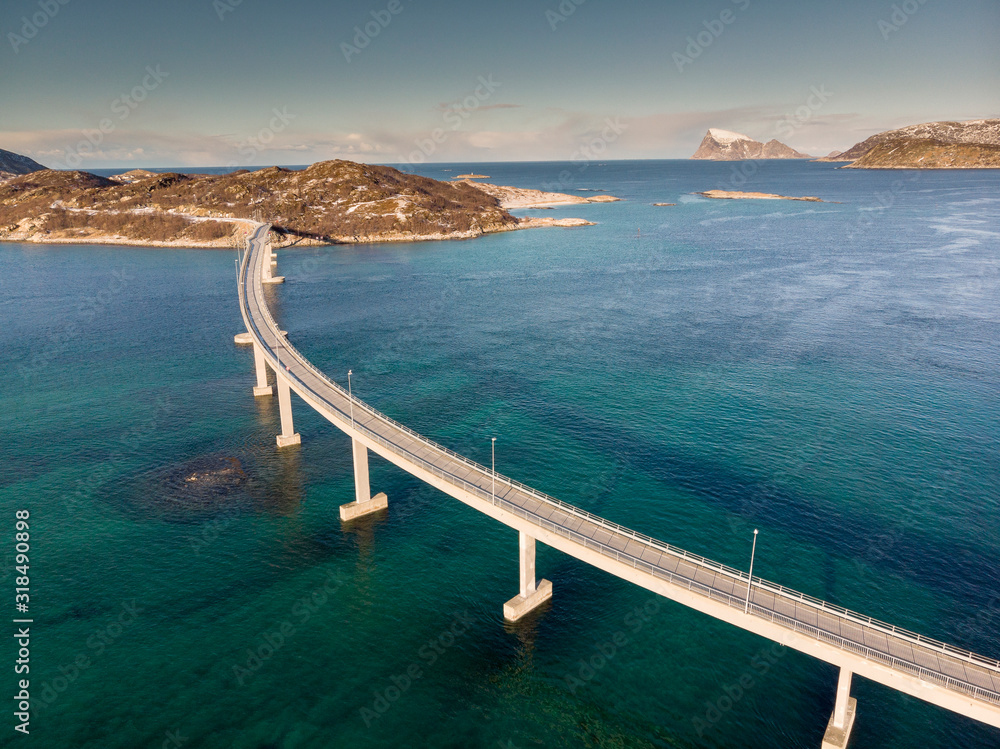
(827, 373)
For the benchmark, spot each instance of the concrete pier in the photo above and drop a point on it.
(532, 595)
(838, 730)
(261, 368)
(267, 270)
(288, 436)
(364, 503)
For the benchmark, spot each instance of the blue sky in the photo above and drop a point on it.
(109, 83)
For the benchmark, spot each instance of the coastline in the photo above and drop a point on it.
(508, 198)
(114, 241)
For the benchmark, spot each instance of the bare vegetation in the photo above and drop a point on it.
(334, 201)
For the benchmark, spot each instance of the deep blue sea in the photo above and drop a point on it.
(828, 373)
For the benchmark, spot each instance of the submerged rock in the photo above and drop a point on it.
(193, 490)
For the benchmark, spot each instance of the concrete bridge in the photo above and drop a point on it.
(933, 671)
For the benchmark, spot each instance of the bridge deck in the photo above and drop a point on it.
(900, 653)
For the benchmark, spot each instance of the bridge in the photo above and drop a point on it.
(933, 671)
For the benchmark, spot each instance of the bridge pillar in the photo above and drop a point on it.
(267, 269)
(261, 367)
(838, 730)
(532, 595)
(288, 436)
(364, 503)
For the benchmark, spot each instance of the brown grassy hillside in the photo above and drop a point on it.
(928, 153)
(332, 201)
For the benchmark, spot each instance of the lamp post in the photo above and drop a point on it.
(493, 451)
(746, 606)
(350, 396)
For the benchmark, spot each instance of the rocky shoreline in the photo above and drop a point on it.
(375, 204)
(972, 144)
(520, 197)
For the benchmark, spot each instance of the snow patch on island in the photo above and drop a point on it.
(727, 136)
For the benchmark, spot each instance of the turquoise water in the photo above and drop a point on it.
(825, 372)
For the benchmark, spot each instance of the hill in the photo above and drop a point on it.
(13, 164)
(932, 145)
(330, 202)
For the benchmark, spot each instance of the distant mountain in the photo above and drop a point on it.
(13, 164)
(725, 145)
(974, 144)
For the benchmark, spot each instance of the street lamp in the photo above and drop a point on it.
(493, 450)
(350, 396)
(746, 606)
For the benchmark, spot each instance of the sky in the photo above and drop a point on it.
(132, 83)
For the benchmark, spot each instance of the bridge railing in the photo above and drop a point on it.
(737, 576)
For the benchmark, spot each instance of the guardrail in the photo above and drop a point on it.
(736, 576)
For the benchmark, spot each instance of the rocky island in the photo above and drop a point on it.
(973, 144)
(737, 195)
(519, 197)
(725, 145)
(331, 202)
